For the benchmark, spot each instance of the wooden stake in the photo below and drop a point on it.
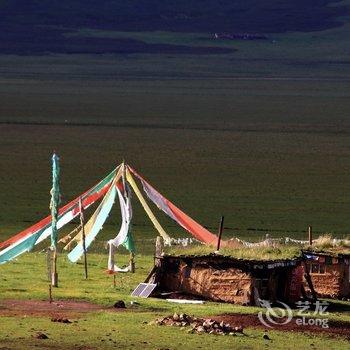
(49, 263)
(310, 235)
(159, 250)
(132, 263)
(221, 227)
(54, 274)
(85, 256)
(50, 293)
(82, 224)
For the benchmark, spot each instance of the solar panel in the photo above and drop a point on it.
(144, 290)
(148, 290)
(138, 290)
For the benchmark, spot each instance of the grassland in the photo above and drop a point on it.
(276, 182)
(129, 331)
(260, 135)
(27, 279)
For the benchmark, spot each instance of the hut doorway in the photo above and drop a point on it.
(281, 285)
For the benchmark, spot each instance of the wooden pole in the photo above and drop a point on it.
(132, 263)
(82, 224)
(310, 235)
(50, 293)
(54, 274)
(221, 227)
(132, 256)
(49, 263)
(124, 178)
(159, 248)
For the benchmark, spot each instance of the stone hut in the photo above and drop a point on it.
(226, 279)
(330, 273)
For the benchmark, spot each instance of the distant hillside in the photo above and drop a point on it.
(189, 16)
(39, 26)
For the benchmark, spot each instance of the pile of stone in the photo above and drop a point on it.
(198, 325)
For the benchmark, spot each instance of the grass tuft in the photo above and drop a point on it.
(249, 253)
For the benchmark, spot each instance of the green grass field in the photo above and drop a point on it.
(27, 279)
(262, 181)
(259, 135)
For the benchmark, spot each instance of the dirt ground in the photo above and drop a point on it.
(336, 328)
(64, 308)
(75, 309)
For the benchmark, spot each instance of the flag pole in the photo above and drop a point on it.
(55, 198)
(82, 224)
(132, 255)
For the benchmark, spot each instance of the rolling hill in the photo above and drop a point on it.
(39, 27)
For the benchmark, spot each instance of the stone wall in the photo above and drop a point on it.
(333, 283)
(228, 285)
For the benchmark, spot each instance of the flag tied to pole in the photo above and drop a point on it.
(55, 199)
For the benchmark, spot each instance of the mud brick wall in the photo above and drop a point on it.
(331, 283)
(230, 285)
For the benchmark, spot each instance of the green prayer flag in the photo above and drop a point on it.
(129, 243)
(55, 199)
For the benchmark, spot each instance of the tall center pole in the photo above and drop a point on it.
(55, 198)
(131, 259)
(82, 224)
